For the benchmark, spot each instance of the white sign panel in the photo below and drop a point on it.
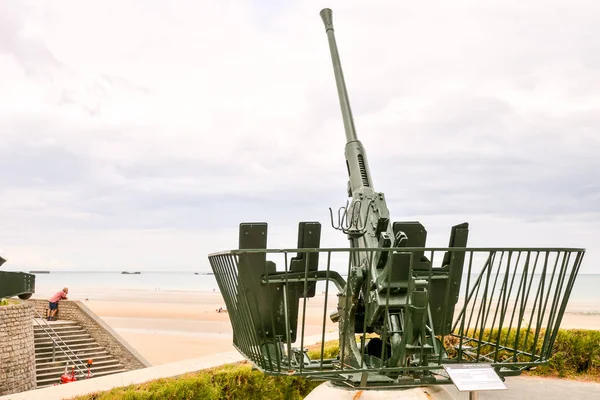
(474, 377)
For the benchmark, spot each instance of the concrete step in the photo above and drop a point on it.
(51, 326)
(62, 342)
(43, 321)
(52, 331)
(63, 362)
(39, 322)
(66, 335)
(78, 345)
(57, 337)
(77, 349)
(51, 381)
(97, 366)
(95, 350)
(80, 355)
(56, 332)
(59, 321)
(65, 344)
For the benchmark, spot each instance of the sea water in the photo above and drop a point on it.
(96, 283)
(585, 289)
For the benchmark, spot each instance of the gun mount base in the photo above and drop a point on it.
(328, 391)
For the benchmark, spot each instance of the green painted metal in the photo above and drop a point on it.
(16, 283)
(509, 307)
(400, 309)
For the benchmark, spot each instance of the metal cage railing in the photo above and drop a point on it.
(504, 307)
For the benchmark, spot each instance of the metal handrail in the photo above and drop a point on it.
(80, 371)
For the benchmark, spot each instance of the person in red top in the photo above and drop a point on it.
(53, 303)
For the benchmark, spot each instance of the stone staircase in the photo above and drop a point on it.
(79, 346)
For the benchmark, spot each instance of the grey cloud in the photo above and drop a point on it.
(24, 165)
(31, 54)
(40, 64)
(466, 152)
(462, 182)
(499, 185)
(120, 82)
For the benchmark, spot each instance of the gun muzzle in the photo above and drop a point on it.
(327, 17)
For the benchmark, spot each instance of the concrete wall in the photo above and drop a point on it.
(103, 334)
(17, 353)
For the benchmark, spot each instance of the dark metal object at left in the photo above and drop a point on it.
(16, 283)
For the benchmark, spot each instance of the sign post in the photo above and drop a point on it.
(474, 378)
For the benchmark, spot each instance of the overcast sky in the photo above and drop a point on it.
(139, 134)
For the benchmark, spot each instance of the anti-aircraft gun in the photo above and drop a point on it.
(404, 310)
(389, 290)
(16, 283)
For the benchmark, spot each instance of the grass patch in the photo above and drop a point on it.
(236, 381)
(8, 302)
(575, 355)
(331, 349)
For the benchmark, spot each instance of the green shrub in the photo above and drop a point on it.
(576, 353)
(227, 382)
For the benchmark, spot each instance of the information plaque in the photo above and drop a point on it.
(474, 377)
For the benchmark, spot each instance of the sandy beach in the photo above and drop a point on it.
(165, 330)
(172, 326)
(168, 326)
